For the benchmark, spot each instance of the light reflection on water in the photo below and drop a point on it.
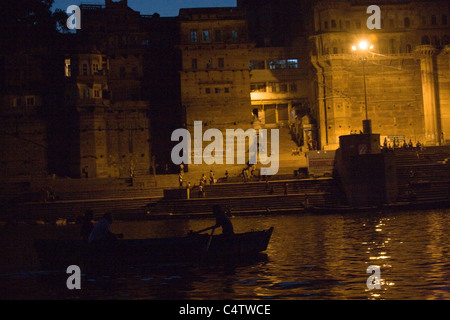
(309, 257)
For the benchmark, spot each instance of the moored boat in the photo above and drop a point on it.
(55, 253)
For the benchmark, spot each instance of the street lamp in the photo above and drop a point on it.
(364, 46)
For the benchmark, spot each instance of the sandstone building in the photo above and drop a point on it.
(103, 102)
(407, 72)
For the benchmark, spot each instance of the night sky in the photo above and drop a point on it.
(166, 8)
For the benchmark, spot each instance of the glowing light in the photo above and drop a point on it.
(363, 45)
(354, 48)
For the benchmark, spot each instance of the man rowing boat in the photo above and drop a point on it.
(222, 220)
(102, 231)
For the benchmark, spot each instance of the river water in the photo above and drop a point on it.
(309, 257)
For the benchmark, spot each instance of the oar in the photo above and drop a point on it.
(209, 240)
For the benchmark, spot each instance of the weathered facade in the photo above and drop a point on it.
(407, 84)
(111, 80)
(215, 78)
(104, 103)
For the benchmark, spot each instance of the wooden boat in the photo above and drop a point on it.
(192, 248)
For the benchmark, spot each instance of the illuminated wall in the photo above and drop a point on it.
(215, 76)
(406, 74)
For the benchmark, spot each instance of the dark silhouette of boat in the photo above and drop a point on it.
(194, 248)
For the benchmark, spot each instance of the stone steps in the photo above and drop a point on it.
(423, 175)
(241, 204)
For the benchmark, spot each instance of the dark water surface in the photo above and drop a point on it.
(309, 257)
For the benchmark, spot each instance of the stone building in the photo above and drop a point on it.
(113, 85)
(215, 77)
(236, 74)
(103, 102)
(406, 71)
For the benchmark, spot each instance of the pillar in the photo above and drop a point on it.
(430, 111)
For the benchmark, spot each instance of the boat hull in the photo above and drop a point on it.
(193, 248)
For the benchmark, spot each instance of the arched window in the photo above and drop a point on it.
(407, 22)
(408, 48)
(425, 40)
(444, 19)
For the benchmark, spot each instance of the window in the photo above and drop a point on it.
(424, 20)
(257, 64)
(408, 48)
(95, 68)
(86, 93)
(221, 62)
(292, 64)
(207, 90)
(13, 102)
(208, 64)
(194, 38)
(273, 87)
(347, 24)
(333, 24)
(358, 24)
(276, 64)
(258, 87)
(68, 69)
(391, 23)
(325, 25)
(227, 90)
(194, 63)
(96, 94)
(407, 22)
(85, 69)
(234, 35)
(218, 35)
(335, 50)
(30, 101)
(217, 90)
(206, 36)
(433, 20)
(444, 19)
(293, 87)
(283, 87)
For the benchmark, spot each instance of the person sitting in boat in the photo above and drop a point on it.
(87, 226)
(222, 220)
(102, 231)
